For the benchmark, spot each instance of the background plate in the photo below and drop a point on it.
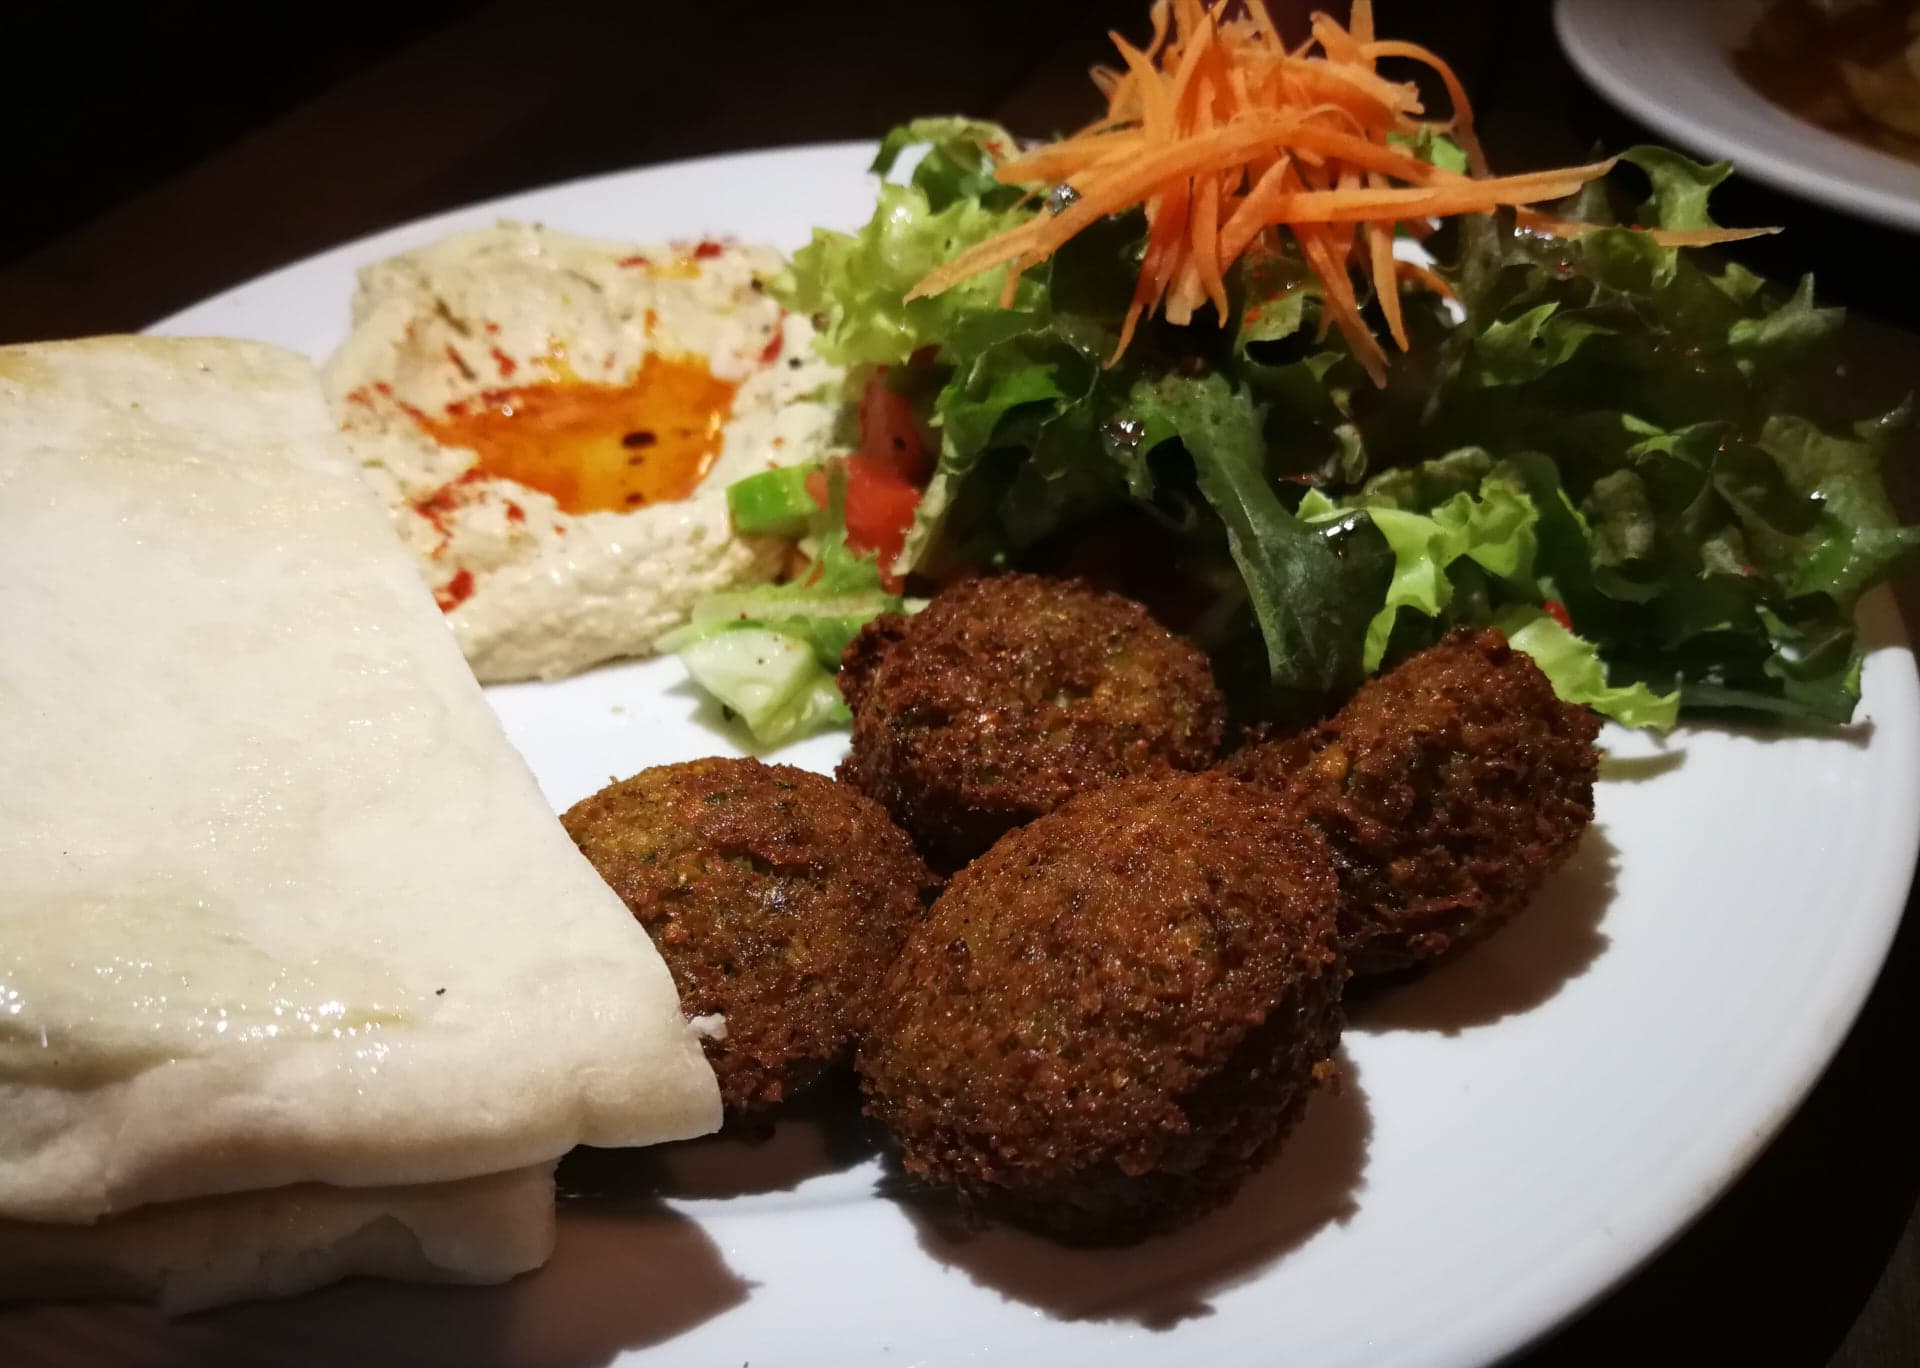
(1518, 1129)
(1667, 65)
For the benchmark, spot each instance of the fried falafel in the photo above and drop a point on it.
(1009, 694)
(1115, 1014)
(777, 899)
(1447, 789)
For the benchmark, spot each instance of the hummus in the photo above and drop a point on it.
(553, 422)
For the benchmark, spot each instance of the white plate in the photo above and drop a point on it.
(1667, 63)
(1520, 1129)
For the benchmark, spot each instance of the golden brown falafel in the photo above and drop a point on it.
(1008, 695)
(1116, 1013)
(1447, 788)
(777, 898)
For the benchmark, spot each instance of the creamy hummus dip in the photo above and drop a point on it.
(553, 422)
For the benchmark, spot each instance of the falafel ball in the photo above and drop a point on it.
(1006, 696)
(777, 898)
(1113, 1016)
(1447, 788)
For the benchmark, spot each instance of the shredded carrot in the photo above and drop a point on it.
(1536, 222)
(1426, 276)
(1227, 139)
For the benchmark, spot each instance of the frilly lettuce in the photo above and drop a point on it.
(1597, 421)
(856, 283)
(1572, 665)
(1470, 557)
(1492, 528)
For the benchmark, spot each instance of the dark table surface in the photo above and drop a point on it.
(179, 149)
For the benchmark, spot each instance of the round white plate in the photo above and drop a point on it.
(1518, 1130)
(1668, 64)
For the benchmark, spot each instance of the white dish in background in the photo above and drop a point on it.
(1519, 1130)
(1668, 64)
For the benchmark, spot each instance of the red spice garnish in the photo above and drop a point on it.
(459, 589)
(515, 513)
(493, 328)
(382, 388)
(445, 499)
(634, 261)
(771, 352)
(506, 364)
(707, 250)
(1557, 610)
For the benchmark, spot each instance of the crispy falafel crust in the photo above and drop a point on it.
(1114, 1015)
(1447, 788)
(1006, 696)
(777, 898)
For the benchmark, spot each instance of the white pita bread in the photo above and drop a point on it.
(278, 902)
(187, 1256)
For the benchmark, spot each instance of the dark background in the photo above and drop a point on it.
(156, 152)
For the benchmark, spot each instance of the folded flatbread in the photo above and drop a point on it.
(186, 1256)
(278, 902)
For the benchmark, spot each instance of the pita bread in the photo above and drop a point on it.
(278, 902)
(187, 1256)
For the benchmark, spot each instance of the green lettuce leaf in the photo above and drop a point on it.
(855, 284)
(1491, 527)
(1614, 425)
(1433, 147)
(1680, 187)
(1856, 539)
(1573, 666)
(958, 163)
(771, 681)
(1309, 592)
(1705, 532)
(1527, 347)
(769, 653)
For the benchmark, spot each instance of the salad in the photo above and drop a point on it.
(1277, 353)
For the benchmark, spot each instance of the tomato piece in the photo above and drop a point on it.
(889, 438)
(880, 509)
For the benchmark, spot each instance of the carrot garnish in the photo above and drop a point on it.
(1533, 221)
(1426, 277)
(1227, 139)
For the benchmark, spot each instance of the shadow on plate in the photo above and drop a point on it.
(1313, 1182)
(818, 1133)
(619, 1280)
(1858, 734)
(1548, 945)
